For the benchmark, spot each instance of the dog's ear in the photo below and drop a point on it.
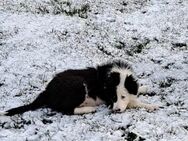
(131, 85)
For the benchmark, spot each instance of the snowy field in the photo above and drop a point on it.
(39, 38)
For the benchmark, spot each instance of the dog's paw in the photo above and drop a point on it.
(152, 107)
(93, 109)
(84, 110)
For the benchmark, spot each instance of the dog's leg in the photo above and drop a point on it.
(135, 103)
(143, 89)
(149, 107)
(84, 110)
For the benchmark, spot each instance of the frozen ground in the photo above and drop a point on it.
(39, 38)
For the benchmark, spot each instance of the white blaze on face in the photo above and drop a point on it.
(122, 94)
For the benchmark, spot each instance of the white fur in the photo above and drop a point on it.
(135, 103)
(3, 113)
(83, 110)
(123, 72)
(131, 101)
(91, 102)
(121, 104)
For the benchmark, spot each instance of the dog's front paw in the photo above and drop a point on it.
(152, 107)
(92, 109)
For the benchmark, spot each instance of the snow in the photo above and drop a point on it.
(41, 38)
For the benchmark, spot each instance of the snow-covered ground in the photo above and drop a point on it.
(39, 38)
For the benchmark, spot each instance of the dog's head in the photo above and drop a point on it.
(119, 84)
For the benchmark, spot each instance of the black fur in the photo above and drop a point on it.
(66, 91)
(131, 85)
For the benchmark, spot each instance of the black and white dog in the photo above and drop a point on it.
(81, 91)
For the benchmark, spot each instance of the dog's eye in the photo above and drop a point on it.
(122, 97)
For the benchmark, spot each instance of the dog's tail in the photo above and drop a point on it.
(36, 104)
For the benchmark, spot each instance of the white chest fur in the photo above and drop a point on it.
(91, 102)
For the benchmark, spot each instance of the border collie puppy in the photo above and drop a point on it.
(81, 91)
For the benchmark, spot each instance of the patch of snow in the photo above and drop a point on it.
(39, 39)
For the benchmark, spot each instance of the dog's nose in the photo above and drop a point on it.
(117, 110)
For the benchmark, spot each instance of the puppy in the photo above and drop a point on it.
(81, 91)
